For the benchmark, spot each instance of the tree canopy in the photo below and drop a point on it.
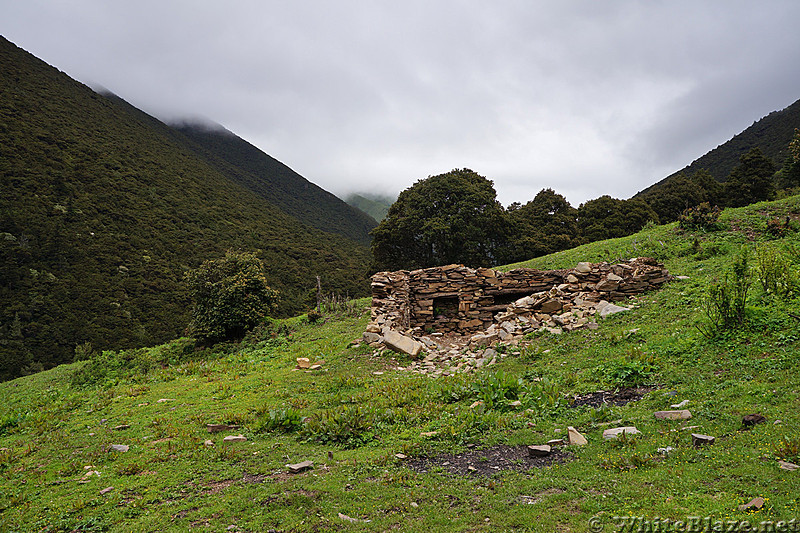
(750, 181)
(448, 218)
(546, 224)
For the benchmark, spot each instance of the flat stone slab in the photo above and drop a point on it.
(539, 451)
(785, 465)
(613, 433)
(682, 414)
(235, 438)
(296, 468)
(702, 440)
(400, 343)
(122, 448)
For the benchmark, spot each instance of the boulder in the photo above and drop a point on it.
(400, 343)
(370, 337)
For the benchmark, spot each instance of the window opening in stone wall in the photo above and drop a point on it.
(509, 298)
(446, 306)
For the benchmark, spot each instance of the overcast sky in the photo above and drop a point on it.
(586, 97)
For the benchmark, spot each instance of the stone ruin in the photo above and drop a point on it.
(410, 309)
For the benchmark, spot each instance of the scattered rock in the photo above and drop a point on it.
(784, 465)
(296, 468)
(235, 438)
(88, 475)
(370, 337)
(612, 309)
(121, 427)
(681, 405)
(414, 505)
(575, 438)
(106, 490)
(119, 448)
(556, 442)
(303, 362)
(351, 519)
(613, 433)
(476, 404)
(752, 420)
(702, 440)
(429, 434)
(753, 505)
(208, 443)
(539, 451)
(665, 451)
(401, 456)
(163, 400)
(515, 403)
(683, 414)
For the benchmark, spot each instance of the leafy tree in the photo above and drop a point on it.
(230, 296)
(546, 224)
(449, 218)
(607, 217)
(682, 192)
(750, 181)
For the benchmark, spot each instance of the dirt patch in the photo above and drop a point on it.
(487, 462)
(615, 398)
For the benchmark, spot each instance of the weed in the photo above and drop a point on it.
(285, 420)
(350, 426)
(788, 449)
(634, 370)
(775, 271)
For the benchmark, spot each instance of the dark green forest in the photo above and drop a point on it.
(102, 213)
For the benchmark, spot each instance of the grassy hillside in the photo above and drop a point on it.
(270, 179)
(102, 212)
(353, 417)
(771, 134)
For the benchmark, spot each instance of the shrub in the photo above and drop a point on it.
(776, 228)
(725, 302)
(230, 296)
(633, 370)
(702, 216)
(285, 420)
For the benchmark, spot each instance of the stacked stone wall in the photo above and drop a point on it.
(464, 300)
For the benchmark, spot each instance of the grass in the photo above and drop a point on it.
(56, 426)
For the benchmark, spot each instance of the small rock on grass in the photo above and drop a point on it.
(235, 438)
(118, 448)
(785, 465)
(683, 414)
(121, 427)
(575, 438)
(539, 451)
(752, 505)
(351, 519)
(106, 490)
(752, 420)
(296, 468)
(702, 440)
(401, 456)
(613, 433)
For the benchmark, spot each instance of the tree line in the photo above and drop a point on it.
(455, 217)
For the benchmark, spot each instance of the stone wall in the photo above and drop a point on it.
(463, 300)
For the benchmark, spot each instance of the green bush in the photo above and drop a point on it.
(702, 216)
(726, 299)
(230, 295)
(284, 420)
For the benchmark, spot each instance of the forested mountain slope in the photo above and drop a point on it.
(772, 134)
(102, 212)
(275, 182)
